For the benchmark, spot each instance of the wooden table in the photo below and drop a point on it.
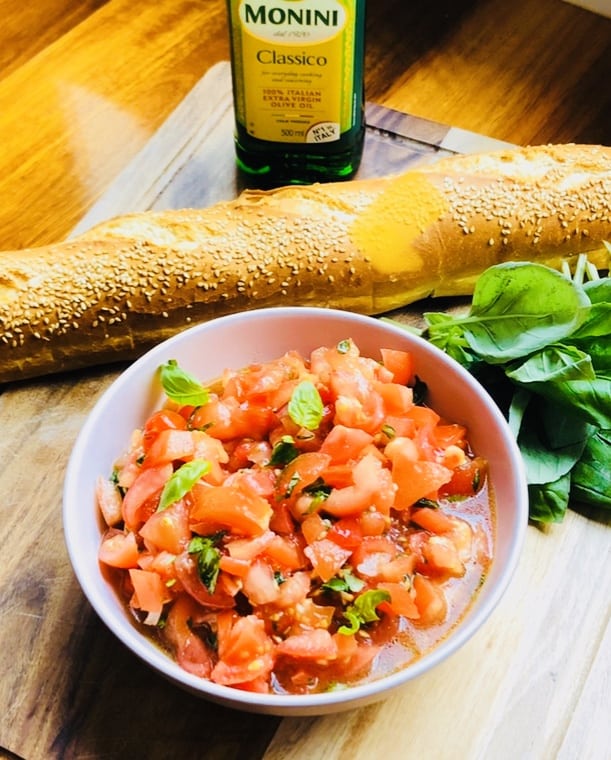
(84, 88)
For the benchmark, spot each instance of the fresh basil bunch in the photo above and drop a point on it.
(539, 342)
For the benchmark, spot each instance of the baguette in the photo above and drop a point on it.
(368, 245)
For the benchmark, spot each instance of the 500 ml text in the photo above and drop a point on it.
(303, 59)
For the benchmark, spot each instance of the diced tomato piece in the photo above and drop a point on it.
(229, 507)
(260, 482)
(431, 519)
(400, 363)
(402, 566)
(449, 435)
(365, 414)
(311, 615)
(249, 548)
(164, 419)
(109, 500)
(304, 470)
(343, 444)
(119, 549)
(189, 649)
(317, 645)
(398, 399)
(441, 558)
(246, 652)
(430, 601)
(313, 528)
(168, 530)
(234, 566)
(150, 592)
(293, 590)
(354, 657)
(260, 585)
(327, 558)
(227, 419)
(466, 479)
(418, 480)
(142, 498)
(282, 521)
(373, 486)
(188, 575)
(285, 553)
(338, 475)
(347, 533)
(373, 554)
(373, 523)
(401, 601)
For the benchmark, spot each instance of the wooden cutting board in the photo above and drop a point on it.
(533, 683)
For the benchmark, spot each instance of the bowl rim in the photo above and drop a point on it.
(361, 693)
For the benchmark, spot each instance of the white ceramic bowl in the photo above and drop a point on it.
(233, 342)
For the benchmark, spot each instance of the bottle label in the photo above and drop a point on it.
(294, 68)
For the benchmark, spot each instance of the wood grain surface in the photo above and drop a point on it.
(86, 91)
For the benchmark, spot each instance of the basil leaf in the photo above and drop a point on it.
(591, 483)
(548, 503)
(346, 582)
(551, 443)
(182, 481)
(363, 610)
(599, 291)
(208, 558)
(305, 407)
(447, 333)
(519, 308)
(182, 387)
(284, 452)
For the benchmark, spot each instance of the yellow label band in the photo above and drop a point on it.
(294, 68)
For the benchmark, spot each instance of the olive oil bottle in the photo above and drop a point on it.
(297, 70)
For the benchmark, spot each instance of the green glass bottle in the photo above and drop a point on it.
(297, 70)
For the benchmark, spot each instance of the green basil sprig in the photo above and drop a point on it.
(363, 610)
(539, 341)
(182, 481)
(305, 407)
(182, 387)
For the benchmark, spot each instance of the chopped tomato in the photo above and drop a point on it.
(347, 533)
(262, 568)
(344, 444)
(150, 593)
(142, 498)
(119, 549)
(418, 480)
(168, 530)
(109, 500)
(219, 507)
(302, 472)
(327, 558)
(313, 528)
(164, 419)
(441, 558)
(434, 520)
(309, 645)
(400, 363)
(430, 601)
(260, 584)
(401, 601)
(227, 419)
(245, 652)
(466, 479)
(373, 486)
(178, 633)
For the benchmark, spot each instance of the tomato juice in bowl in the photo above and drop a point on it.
(235, 342)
